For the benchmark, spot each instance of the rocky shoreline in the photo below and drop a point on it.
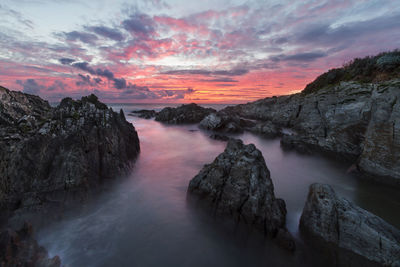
(53, 156)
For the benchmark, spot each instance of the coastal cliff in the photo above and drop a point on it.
(52, 153)
(351, 112)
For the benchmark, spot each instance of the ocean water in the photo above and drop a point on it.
(147, 219)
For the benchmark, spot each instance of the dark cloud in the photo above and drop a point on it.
(30, 86)
(84, 66)
(139, 24)
(110, 33)
(119, 83)
(301, 57)
(57, 85)
(84, 37)
(234, 72)
(221, 80)
(325, 34)
(66, 61)
(105, 73)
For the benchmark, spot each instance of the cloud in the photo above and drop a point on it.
(30, 86)
(233, 72)
(113, 34)
(302, 57)
(66, 61)
(84, 37)
(140, 24)
(221, 80)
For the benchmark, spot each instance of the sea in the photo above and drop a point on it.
(148, 219)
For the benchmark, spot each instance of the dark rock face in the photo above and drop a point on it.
(69, 148)
(144, 113)
(238, 184)
(225, 121)
(340, 224)
(219, 137)
(358, 122)
(19, 248)
(191, 113)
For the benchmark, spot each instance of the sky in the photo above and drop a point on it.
(180, 51)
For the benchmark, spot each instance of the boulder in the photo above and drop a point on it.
(347, 229)
(190, 113)
(238, 184)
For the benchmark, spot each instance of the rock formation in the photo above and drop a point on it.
(339, 114)
(72, 147)
(362, 237)
(19, 248)
(144, 113)
(238, 184)
(190, 113)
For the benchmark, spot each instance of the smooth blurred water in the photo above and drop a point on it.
(146, 219)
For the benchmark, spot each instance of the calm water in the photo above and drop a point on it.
(146, 219)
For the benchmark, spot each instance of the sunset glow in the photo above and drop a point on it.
(185, 51)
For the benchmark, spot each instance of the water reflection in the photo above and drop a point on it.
(146, 220)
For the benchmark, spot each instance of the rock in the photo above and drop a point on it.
(50, 153)
(350, 120)
(219, 137)
(225, 121)
(339, 224)
(19, 248)
(238, 184)
(144, 113)
(267, 129)
(190, 113)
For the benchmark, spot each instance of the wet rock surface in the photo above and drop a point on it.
(49, 154)
(238, 184)
(225, 121)
(144, 113)
(351, 234)
(190, 113)
(19, 248)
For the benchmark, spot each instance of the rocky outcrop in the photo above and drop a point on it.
(238, 184)
(144, 113)
(19, 248)
(350, 120)
(190, 113)
(225, 121)
(362, 237)
(66, 149)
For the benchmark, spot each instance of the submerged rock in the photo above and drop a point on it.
(144, 113)
(67, 149)
(19, 248)
(190, 113)
(360, 236)
(238, 184)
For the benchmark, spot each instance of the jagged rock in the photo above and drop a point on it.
(19, 248)
(72, 147)
(225, 121)
(339, 224)
(190, 113)
(238, 184)
(144, 113)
